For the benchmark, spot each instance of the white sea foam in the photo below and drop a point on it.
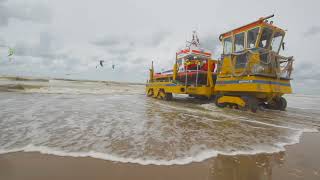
(201, 156)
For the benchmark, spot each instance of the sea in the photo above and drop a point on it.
(116, 121)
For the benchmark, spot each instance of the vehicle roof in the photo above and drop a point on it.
(260, 22)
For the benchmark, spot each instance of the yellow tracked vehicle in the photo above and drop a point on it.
(251, 72)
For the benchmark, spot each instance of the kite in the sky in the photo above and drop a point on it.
(10, 53)
(100, 63)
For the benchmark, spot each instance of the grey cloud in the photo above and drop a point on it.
(46, 54)
(314, 30)
(120, 50)
(306, 71)
(123, 45)
(38, 13)
(210, 42)
(4, 15)
(34, 56)
(2, 43)
(106, 42)
(139, 60)
(115, 45)
(133, 38)
(157, 38)
(42, 49)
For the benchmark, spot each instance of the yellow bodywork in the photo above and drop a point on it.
(232, 99)
(253, 84)
(155, 88)
(171, 87)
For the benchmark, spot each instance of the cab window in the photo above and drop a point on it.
(252, 36)
(227, 45)
(239, 42)
(265, 38)
(276, 41)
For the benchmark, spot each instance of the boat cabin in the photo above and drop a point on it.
(191, 64)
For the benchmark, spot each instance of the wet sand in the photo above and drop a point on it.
(299, 161)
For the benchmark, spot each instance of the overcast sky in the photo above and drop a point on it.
(67, 38)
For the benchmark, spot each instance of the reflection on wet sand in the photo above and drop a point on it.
(245, 167)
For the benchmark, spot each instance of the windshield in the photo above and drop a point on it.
(265, 38)
(239, 42)
(227, 46)
(276, 41)
(252, 37)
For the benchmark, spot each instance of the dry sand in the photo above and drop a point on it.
(299, 161)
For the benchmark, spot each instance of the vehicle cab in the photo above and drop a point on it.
(254, 49)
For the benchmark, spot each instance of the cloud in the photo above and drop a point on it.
(45, 54)
(34, 12)
(4, 14)
(157, 38)
(115, 45)
(2, 42)
(306, 71)
(42, 49)
(73, 35)
(312, 31)
(210, 42)
(122, 44)
(107, 41)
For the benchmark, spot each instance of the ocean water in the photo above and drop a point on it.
(116, 121)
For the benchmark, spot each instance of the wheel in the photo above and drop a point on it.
(262, 106)
(220, 105)
(278, 104)
(150, 93)
(282, 104)
(161, 94)
(168, 96)
(252, 103)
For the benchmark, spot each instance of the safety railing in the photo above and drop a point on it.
(265, 63)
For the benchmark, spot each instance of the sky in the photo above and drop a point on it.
(66, 39)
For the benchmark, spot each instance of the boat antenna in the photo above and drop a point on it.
(195, 40)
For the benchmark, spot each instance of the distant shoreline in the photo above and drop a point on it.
(29, 78)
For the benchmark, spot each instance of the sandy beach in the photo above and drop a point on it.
(299, 161)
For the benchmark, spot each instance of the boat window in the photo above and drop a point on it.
(227, 46)
(276, 41)
(252, 36)
(239, 42)
(265, 38)
(179, 61)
